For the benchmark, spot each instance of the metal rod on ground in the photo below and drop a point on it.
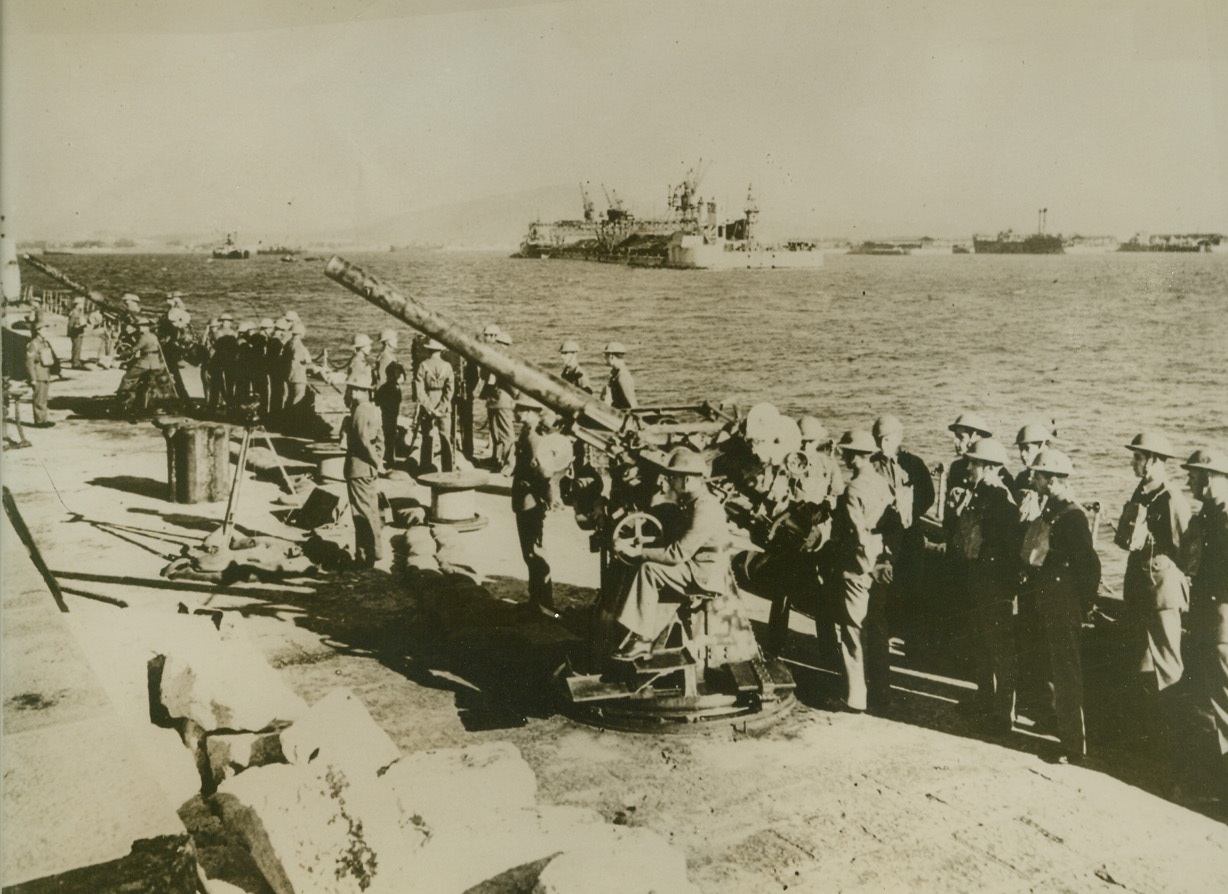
(233, 502)
(19, 525)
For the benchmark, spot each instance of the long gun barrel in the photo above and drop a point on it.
(66, 280)
(562, 397)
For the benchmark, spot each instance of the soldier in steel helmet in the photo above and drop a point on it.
(364, 463)
(1032, 696)
(500, 396)
(1032, 438)
(1155, 591)
(1063, 571)
(694, 564)
(387, 354)
(989, 538)
(1207, 552)
(572, 372)
(539, 459)
(619, 390)
(849, 564)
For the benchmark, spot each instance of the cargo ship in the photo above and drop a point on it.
(230, 251)
(688, 238)
(1011, 243)
(1184, 242)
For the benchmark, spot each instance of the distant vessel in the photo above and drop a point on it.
(690, 238)
(1010, 243)
(879, 248)
(229, 251)
(276, 250)
(1186, 242)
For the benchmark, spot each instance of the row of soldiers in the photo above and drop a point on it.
(1021, 561)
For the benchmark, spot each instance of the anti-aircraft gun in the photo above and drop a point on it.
(706, 665)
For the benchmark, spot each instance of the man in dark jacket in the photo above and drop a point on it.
(1064, 573)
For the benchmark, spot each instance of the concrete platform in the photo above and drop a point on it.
(916, 800)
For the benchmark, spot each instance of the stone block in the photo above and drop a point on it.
(231, 753)
(313, 830)
(617, 860)
(224, 685)
(457, 787)
(338, 731)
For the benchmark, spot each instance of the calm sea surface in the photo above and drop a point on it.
(1105, 344)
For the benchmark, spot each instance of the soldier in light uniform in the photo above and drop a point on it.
(359, 367)
(469, 390)
(1155, 590)
(849, 567)
(146, 359)
(78, 325)
(364, 446)
(500, 399)
(912, 491)
(1208, 619)
(619, 390)
(1063, 571)
(41, 364)
(536, 465)
(990, 539)
(298, 362)
(433, 387)
(387, 355)
(694, 564)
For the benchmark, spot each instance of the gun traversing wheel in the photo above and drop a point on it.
(636, 529)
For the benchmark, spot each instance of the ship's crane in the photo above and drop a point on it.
(615, 211)
(588, 203)
(684, 199)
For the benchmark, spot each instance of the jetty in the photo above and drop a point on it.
(406, 680)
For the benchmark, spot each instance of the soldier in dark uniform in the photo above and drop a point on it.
(1063, 571)
(364, 464)
(277, 364)
(388, 397)
(572, 372)
(619, 390)
(1208, 619)
(1032, 695)
(912, 490)
(1155, 592)
(989, 539)
(222, 373)
(433, 386)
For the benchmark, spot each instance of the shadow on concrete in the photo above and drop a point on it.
(133, 484)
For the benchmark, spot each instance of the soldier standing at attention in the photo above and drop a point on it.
(1032, 438)
(990, 537)
(278, 364)
(533, 496)
(824, 482)
(1155, 591)
(78, 324)
(473, 380)
(364, 449)
(619, 390)
(225, 357)
(41, 363)
(572, 372)
(359, 367)
(1064, 571)
(388, 398)
(298, 361)
(912, 491)
(500, 400)
(853, 555)
(1033, 667)
(433, 386)
(1208, 619)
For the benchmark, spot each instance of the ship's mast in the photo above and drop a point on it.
(752, 213)
(588, 204)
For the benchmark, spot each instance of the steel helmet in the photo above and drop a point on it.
(1208, 460)
(297, 328)
(812, 429)
(503, 338)
(292, 316)
(1154, 443)
(570, 347)
(284, 325)
(266, 323)
(1053, 462)
(1033, 433)
(227, 317)
(685, 461)
(858, 441)
(131, 298)
(971, 422)
(615, 347)
(491, 330)
(246, 326)
(987, 450)
(361, 340)
(388, 336)
(80, 299)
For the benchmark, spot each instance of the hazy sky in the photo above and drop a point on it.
(282, 118)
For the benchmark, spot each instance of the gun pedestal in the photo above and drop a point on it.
(452, 499)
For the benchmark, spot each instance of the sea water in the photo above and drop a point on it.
(1103, 344)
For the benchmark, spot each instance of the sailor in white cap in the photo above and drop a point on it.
(619, 390)
(434, 384)
(1063, 571)
(1207, 657)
